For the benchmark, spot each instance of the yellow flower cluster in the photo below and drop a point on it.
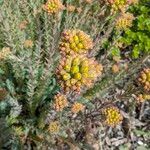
(120, 4)
(124, 21)
(76, 71)
(145, 78)
(4, 53)
(54, 127)
(75, 41)
(60, 102)
(142, 97)
(53, 6)
(112, 116)
(77, 107)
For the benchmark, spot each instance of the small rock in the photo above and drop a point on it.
(140, 142)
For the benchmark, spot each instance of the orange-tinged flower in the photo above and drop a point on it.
(60, 102)
(144, 78)
(5, 53)
(77, 107)
(115, 68)
(53, 6)
(142, 97)
(89, 1)
(54, 127)
(112, 116)
(132, 1)
(79, 10)
(28, 43)
(3, 93)
(77, 71)
(75, 41)
(23, 25)
(70, 8)
(124, 21)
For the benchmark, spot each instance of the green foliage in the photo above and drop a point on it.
(138, 37)
(115, 51)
